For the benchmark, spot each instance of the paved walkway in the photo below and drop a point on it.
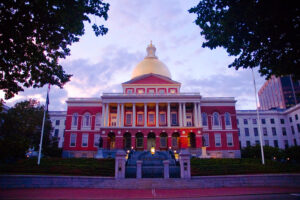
(79, 193)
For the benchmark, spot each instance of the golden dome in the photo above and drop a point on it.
(151, 64)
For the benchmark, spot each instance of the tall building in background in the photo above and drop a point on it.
(279, 92)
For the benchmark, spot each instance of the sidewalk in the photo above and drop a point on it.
(79, 193)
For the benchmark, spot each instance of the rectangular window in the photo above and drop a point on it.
(140, 119)
(265, 131)
(293, 130)
(257, 142)
(151, 118)
(128, 118)
(96, 140)
(73, 140)
(57, 122)
(263, 121)
(246, 131)
(151, 91)
(113, 120)
(129, 91)
(237, 121)
(295, 142)
(255, 131)
(274, 131)
(140, 91)
(291, 119)
(283, 131)
(162, 119)
(172, 91)
(189, 119)
(161, 91)
(248, 144)
(174, 119)
(229, 139)
(266, 142)
(296, 117)
(56, 131)
(254, 121)
(205, 140)
(276, 143)
(175, 141)
(245, 121)
(218, 140)
(239, 132)
(85, 138)
(286, 144)
(298, 127)
(282, 121)
(272, 121)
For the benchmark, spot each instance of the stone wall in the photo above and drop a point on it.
(38, 181)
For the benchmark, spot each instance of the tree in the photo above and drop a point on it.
(262, 33)
(34, 35)
(20, 129)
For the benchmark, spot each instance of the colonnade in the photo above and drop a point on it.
(181, 112)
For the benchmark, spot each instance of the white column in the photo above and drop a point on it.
(118, 115)
(199, 115)
(184, 115)
(103, 115)
(122, 114)
(195, 115)
(156, 114)
(169, 112)
(107, 114)
(180, 114)
(133, 115)
(145, 115)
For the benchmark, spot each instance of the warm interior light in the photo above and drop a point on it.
(152, 150)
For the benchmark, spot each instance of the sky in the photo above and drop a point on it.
(101, 64)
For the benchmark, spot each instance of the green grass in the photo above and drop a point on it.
(204, 167)
(61, 166)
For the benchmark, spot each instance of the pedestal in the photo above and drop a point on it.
(120, 164)
(139, 168)
(185, 164)
(204, 154)
(166, 169)
(99, 153)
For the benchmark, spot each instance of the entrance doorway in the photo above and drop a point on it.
(127, 141)
(111, 141)
(150, 141)
(191, 140)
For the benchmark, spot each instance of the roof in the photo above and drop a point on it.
(151, 79)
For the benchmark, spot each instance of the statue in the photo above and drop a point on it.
(100, 149)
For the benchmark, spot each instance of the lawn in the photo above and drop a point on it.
(204, 167)
(61, 166)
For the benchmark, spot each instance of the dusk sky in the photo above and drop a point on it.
(101, 64)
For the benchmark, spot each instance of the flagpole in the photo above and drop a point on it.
(258, 119)
(43, 125)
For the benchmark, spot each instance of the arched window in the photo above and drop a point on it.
(86, 121)
(216, 119)
(75, 119)
(227, 119)
(98, 119)
(204, 119)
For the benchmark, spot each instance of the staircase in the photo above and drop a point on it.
(152, 166)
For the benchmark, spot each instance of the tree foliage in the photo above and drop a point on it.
(20, 129)
(34, 35)
(262, 33)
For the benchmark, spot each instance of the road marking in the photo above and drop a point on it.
(153, 192)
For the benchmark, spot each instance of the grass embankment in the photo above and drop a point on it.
(204, 167)
(60, 166)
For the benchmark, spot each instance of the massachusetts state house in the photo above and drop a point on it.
(151, 112)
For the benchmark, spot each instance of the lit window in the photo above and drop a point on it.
(141, 91)
(113, 119)
(218, 140)
(172, 91)
(73, 140)
(204, 119)
(229, 139)
(85, 138)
